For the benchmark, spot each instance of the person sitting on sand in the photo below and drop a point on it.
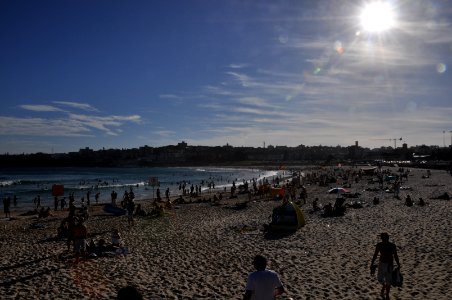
(91, 248)
(421, 202)
(388, 252)
(62, 230)
(157, 209)
(168, 204)
(408, 201)
(263, 283)
(140, 211)
(100, 248)
(315, 204)
(116, 238)
(179, 200)
(328, 210)
(44, 213)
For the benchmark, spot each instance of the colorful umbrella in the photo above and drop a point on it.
(338, 190)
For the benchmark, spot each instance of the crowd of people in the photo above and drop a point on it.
(261, 283)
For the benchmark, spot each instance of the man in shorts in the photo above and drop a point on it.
(262, 284)
(388, 252)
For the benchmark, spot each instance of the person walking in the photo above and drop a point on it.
(263, 284)
(388, 253)
(397, 189)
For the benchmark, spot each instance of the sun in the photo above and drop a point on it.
(377, 17)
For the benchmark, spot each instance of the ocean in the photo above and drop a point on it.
(28, 183)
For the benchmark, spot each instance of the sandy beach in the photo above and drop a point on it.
(204, 251)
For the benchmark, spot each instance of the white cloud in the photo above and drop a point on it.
(164, 133)
(244, 80)
(71, 125)
(104, 123)
(42, 127)
(238, 66)
(40, 108)
(82, 106)
(170, 96)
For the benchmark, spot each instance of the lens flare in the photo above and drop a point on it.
(338, 47)
(441, 68)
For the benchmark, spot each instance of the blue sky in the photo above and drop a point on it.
(123, 74)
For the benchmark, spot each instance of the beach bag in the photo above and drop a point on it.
(397, 278)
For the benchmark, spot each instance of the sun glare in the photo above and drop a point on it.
(377, 17)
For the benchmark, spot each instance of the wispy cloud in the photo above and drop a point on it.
(238, 66)
(164, 133)
(67, 125)
(82, 106)
(244, 79)
(43, 127)
(170, 96)
(40, 108)
(104, 124)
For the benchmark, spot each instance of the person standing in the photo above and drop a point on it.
(167, 194)
(88, 199)
(114, 196)
(6, 206)
(55, 203)
(262, 284)
(397, 189)
(130, 210)
(388, 253)
(63, 203)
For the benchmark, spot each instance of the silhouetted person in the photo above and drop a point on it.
(315, 204)
(408, 201)
(388, 252)
(421, 202)
(6, 207)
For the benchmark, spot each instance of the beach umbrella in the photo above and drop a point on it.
(338, 190)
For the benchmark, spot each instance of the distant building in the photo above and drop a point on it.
(182, 145)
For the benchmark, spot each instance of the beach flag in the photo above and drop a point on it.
(154, 181)
(57, 190)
